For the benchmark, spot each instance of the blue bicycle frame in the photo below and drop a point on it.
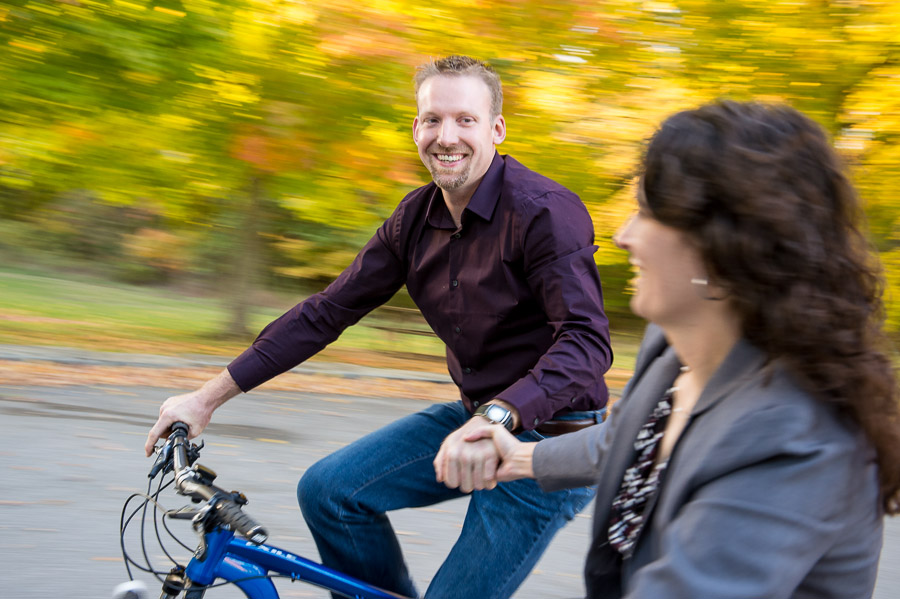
(245, 560)
(246, 564)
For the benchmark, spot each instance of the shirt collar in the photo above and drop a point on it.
(482, 203)
(485, 197)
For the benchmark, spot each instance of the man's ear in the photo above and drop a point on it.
(499, 130)
(416, 130)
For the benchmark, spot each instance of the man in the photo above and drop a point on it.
(500, 261)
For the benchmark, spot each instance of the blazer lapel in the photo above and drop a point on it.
(656, 370)
(742, 363)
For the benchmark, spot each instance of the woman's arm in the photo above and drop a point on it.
(567, 461)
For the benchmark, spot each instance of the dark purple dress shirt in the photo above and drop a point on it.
(514, 293)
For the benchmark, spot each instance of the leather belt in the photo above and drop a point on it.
(561, 427)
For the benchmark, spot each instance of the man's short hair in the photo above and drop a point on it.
(464, 65)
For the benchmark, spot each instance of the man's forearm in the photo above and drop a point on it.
(218, 390)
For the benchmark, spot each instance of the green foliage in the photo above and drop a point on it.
(168, 138)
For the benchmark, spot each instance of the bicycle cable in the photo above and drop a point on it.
(160, 574)
(156, 522)
(142, 508)
(160, 515)
(124, 523)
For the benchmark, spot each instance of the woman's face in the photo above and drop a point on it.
(665, 263)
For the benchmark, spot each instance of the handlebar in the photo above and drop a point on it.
(195, 481)
(230, 513)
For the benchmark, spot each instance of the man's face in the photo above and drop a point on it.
(454, 131)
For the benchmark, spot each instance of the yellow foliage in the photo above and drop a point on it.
(27, 45)
(608, 218)
(297, 12)
(586, 83)
(252, 33)
(660, 7)
(177, 122)
(552, 93)
(384, 136)
(618, 125)
(170, 12)
(891, 263)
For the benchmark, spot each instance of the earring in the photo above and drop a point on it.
(702, 287)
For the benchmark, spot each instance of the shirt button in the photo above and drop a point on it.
(467, 370)
(458, 330)
(475, 404)
(456, 236)
(454, 283)
(537, 421)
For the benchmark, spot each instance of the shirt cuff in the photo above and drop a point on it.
(529, 400)
(248, 370)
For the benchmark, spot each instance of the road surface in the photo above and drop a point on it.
(69, 456)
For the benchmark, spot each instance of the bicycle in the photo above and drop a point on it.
(248, 562)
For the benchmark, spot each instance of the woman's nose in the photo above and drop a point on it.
(620, 237)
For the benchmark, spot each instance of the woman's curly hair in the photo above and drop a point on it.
(764, 196)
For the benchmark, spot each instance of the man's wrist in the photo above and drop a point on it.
(218, 390)
(514, 421)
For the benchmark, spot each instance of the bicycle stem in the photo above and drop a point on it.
(192, 482)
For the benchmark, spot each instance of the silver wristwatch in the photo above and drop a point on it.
(497, 414)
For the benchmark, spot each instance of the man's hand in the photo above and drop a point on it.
(516, 457)
(467, 465)
(194, 409)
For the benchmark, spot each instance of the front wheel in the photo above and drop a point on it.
(133, 589)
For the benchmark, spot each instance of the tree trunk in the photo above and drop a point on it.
(246, 261)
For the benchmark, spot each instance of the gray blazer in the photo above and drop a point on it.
(768, 492)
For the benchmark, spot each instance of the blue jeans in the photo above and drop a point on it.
(344, 498)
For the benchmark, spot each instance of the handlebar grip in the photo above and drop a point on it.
(180, 427)
(230, 513)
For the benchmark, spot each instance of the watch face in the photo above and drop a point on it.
(496, 413)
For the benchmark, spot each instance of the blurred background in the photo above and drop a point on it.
(175, 173)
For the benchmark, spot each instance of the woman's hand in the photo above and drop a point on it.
(467, 466)
(515, 456)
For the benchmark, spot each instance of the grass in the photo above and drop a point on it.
(47, 309)
(42, 307)
(39, 306)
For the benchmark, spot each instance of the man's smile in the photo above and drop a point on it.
(449, 158)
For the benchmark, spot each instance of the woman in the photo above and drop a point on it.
(755, 450)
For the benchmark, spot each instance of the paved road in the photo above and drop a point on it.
(70, 456)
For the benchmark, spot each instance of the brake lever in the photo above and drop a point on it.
(193, 452)
(163, 460)
(183, 513)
